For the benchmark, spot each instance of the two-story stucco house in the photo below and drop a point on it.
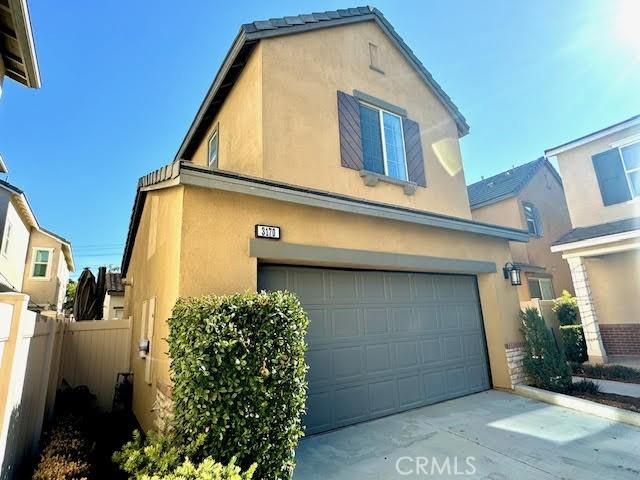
(33, 260)
(326, 134)
(530, 197)
(601, 175)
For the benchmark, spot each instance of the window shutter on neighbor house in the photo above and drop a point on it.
(413, 151)
(350, 134)
(612, 179)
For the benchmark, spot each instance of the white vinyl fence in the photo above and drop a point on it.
(36, 353)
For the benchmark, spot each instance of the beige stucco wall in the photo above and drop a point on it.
(216, 230)
(45, 290)
(281, 118)
(240, 141)
(12, 264)
(615, 286)
(581, 185)
(154, 272)
(111, 303)
(546, 193)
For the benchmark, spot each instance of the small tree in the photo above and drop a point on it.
(544, 364)
(566, 308)
(70, 296)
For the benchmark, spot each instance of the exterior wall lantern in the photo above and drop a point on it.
(512, 272)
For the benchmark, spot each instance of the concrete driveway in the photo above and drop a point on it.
(490, 435)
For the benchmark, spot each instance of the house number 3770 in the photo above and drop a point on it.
(268, 231)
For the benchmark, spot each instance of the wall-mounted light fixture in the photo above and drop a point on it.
(143, 347)
(512, 272)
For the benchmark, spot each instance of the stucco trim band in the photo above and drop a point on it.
(311, 254)
(196, 176)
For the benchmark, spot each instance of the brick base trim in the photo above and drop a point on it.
(621, 338)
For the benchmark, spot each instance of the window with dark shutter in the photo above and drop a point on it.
(350, 135)
(612, 179)
(413, 147)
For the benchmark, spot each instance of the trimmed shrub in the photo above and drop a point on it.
(544, 364)
(207, 470)
(67, 452)
(607, 372)
(238, 371)
(585, 386)
(566, 308)
(155, 454)
(575, 347)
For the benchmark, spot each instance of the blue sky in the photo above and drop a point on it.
(121, 82)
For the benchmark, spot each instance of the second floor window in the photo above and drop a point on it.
(213, 150)
(382, 142)
(533, 219)
(41, 259)
(631, 160)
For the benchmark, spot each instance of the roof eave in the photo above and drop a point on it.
(20, 12)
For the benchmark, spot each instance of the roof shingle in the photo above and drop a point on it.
(600, 230)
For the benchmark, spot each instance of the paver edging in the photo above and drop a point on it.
(579, 404)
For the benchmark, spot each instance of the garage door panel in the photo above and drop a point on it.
(383, 342)
(376, 321)
(344, 322)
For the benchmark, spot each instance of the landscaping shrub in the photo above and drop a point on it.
(575, 347)
(67, 452)
(544, 364)
(607, 372)
(207, 470)
(238, 371)
(585, 386)
(566, 308)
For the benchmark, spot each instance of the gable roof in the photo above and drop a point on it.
(600, 230)
(30, 218)
(603, 132)
(251, 33)
(506, 184)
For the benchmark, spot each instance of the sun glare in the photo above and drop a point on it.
(628, 25)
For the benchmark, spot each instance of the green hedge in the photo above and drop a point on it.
(575, 347)
(238, 371)
(207, 470)
(544, 364)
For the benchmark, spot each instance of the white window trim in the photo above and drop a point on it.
(540, 279)
(526, 219)
(6, 238)
(215, 135)
(34, 251)
(626, 171)
(384, 142)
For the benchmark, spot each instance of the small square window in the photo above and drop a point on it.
(213, 150)
(541, 288)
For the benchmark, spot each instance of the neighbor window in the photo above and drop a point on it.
(41, 258)
(541, 288)
(533, 219)
(631, 161)
(382, 142)
(213, 150)
(7, 239)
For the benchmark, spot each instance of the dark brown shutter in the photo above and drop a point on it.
(350, 136)
(413, 149)
(611, 177)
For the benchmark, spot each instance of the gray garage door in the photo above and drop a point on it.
(384, 342)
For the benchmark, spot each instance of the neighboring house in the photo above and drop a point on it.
(48, 264)
(114, 299)
(601, 176)
(326, 135)
(33, 260)
(17, 51)
(530, 197)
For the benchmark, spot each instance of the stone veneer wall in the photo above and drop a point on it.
(163, 407)
(515, 354)
(621, 339)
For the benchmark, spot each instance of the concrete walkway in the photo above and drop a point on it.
(610, 386)
(490, 435)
